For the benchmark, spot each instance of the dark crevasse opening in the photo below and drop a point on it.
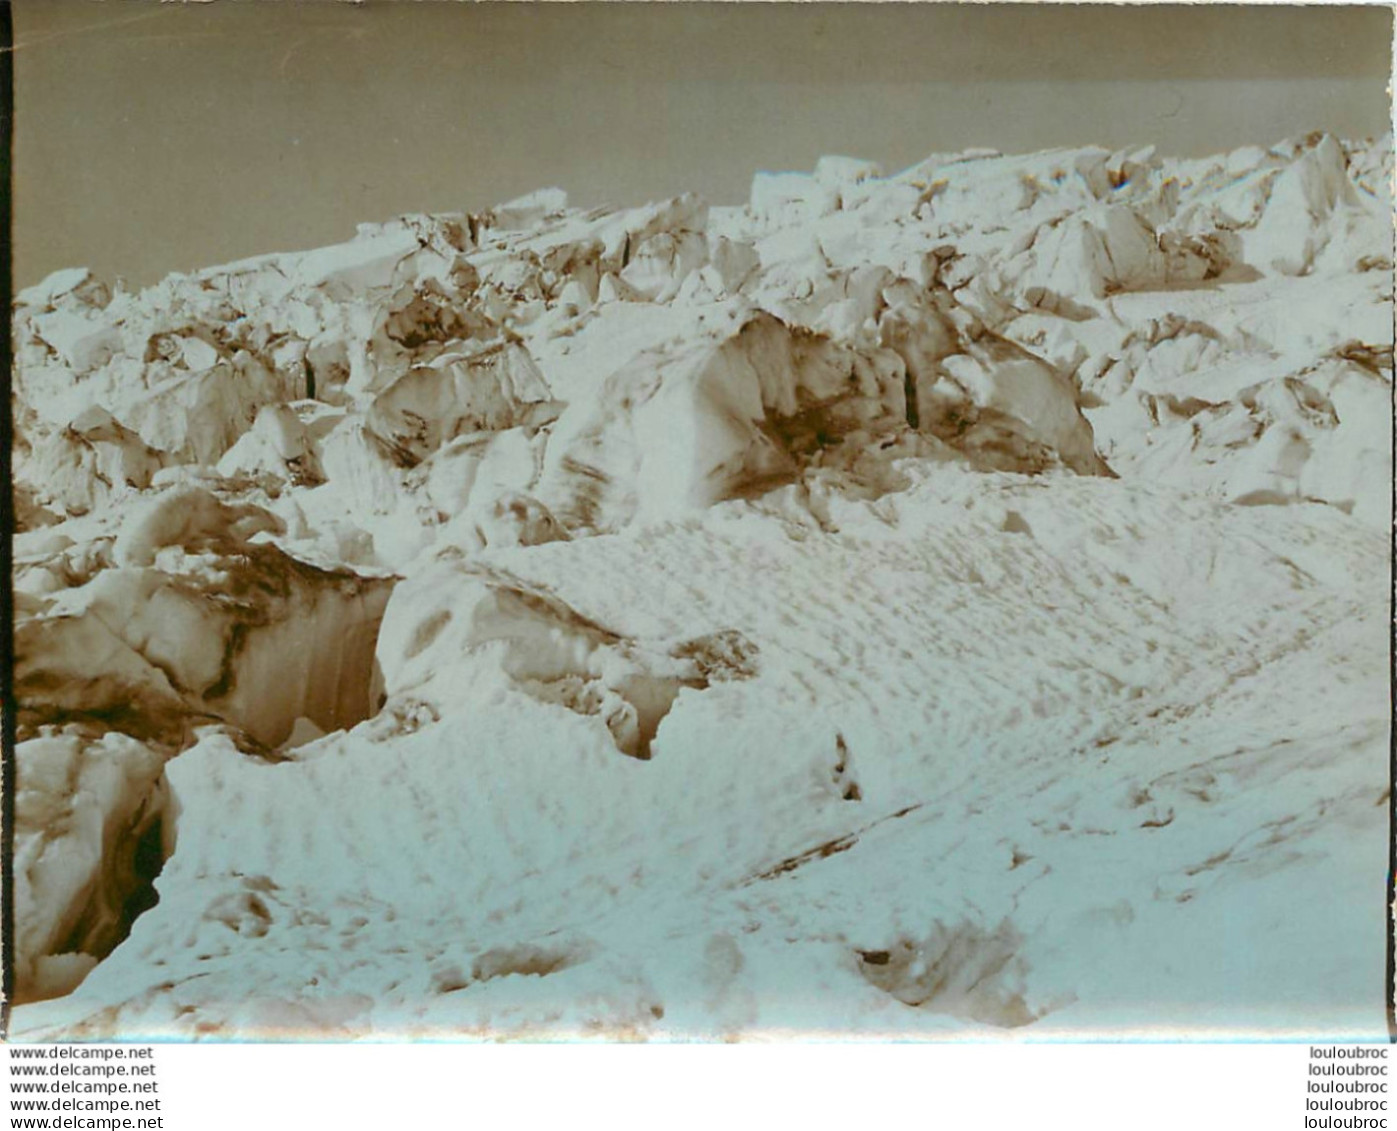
(147, 862)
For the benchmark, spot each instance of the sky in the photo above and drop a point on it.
(159, 137)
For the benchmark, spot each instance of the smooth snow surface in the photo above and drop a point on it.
(944, 604)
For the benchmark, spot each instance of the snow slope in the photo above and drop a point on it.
(945, 604)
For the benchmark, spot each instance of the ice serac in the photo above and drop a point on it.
(676, 432)
(486, 389)
(939, 603)
(83, 808)
(184, 617)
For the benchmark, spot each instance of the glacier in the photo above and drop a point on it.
(947, 604)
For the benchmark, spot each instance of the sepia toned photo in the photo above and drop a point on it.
(700, 522)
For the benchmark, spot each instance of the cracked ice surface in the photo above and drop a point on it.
(949, 603)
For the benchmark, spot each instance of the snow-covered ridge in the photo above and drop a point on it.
(471, 621)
